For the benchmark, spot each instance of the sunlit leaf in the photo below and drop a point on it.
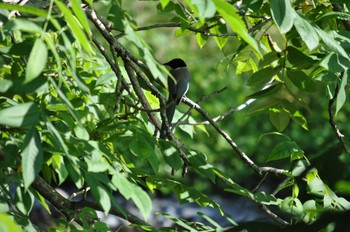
(99, 191)
(283, 14)
(306, 31)
(220, 29)
(37, 60)
(131, 191)
(341, 98)
(75, 27)
(331, 43)
(20, 115)
(206, 8)
(171, 154)
(201, 40)
(230, 14)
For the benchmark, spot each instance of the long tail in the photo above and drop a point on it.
(169, 114)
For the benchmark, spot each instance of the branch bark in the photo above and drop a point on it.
(68, 208)
(334, 126)
(241, 154)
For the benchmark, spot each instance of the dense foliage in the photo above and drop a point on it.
(83, 95)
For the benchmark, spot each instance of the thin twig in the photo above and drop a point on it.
(272, 214)
(334, 126)
(190, 28)
(242, 155)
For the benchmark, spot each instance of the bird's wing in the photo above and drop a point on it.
(183, 77)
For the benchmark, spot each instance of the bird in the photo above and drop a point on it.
(177, 89)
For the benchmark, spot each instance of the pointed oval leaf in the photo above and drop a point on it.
(32, 157)
(306, 31)
(230, 14)
(37, 60)
(283, 14)
(205, 8)
(20, 115)
(279, 119)
(331, 43)
(284, 150)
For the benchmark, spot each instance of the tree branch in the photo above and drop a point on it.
(242, 155)
(69, 208)
(334, 126)
(338, 8)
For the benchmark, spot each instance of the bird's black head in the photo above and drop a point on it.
(176, 63)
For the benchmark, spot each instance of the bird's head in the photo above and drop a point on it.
(176, 63)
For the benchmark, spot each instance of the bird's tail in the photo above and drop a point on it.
(169, 114)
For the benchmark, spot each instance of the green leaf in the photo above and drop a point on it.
(32, 157)
(81, 133)
(37, 60)
(171, 154)
(75, 27)
(164, 3)
(141, 147)
(254, 5)
(262, 76)
(74, 173)
(283, 14)
(284, 150)
(99, 191)
(200, 164)
(295, 114)
(137, 194)
(201, 39)
(263, 105)
(341, 98)
(301, 80)
(181, 222)
(292, 206)
(59, 167)
(41, 200)
(80, 14)
(298, 59)
(95, 162)
(331, 43)
(23, 25)
(265, 92)
(331, 15)
(306, 31)
(7, 222)
(20, 115)
(335, 63)
(5, 85)
(206, 8)
(24, 9)
(220, 28)
(279, 118)
(230, 14)
(264, 198)
(315, 184)
(24, 200)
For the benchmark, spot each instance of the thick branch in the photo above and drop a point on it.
(141, 95)
(68, 208)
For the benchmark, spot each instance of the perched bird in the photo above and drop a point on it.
(177, 89)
